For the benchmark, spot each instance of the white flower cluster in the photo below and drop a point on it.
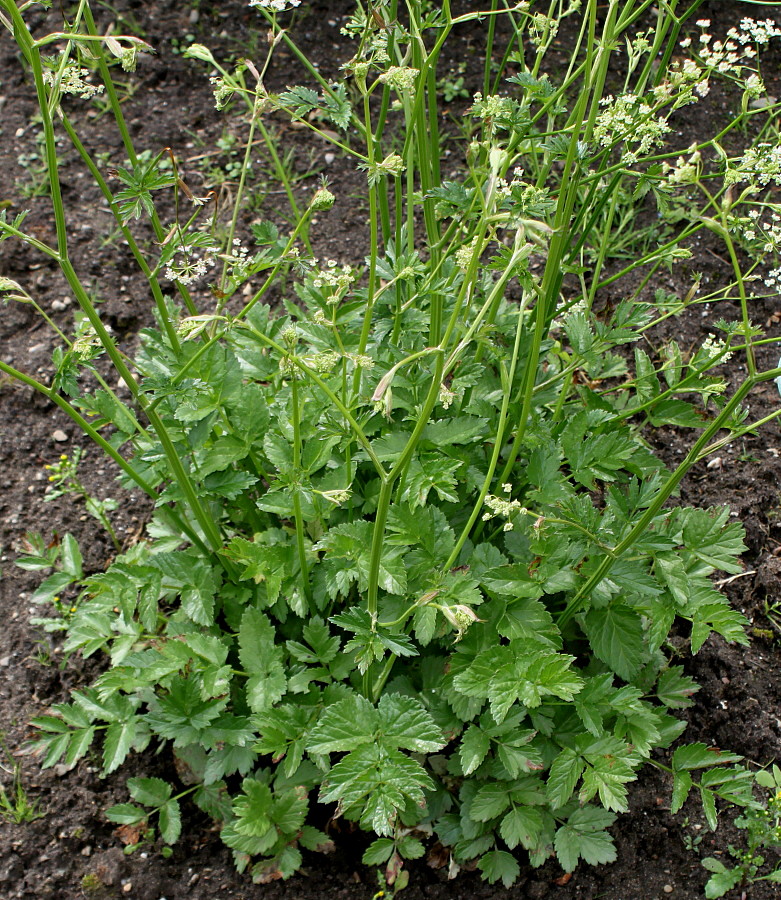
(275, 5)
(446, 396)
(773, 279)
(465, 253)
(685, 171)
(542, 29)
(629, 119)
(222, 91)
(193, 258)
(506, 509)
(73, 82)
(239, 259)
(323, 362)
(758, 32)
(759, 165)
(401, 78)
(188, 269)
(712, 348)
(331, 276)
(763, 235)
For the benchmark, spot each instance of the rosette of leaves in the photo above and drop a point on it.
(499, 697)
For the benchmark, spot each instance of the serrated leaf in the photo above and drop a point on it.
(682, 784)
(675, 689)
(378, 852)
(523, 826)
(344, 726)
(616, 636)
(405, 723)
(170, 821)
(714, 539)
(475, 745)
(491, 800)
(564, 774)
(498, 865)
(700, 756)
(723, 879)
(118, 741)
(126, 814)
(708, 799)
(149, 791)
(583, 837)
(252, 809)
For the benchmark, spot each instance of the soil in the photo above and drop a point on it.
(72, 851)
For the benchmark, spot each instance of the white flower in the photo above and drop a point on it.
(275, 5)
(73, 82)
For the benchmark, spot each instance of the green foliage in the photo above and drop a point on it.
(411, 555)
(761, 823)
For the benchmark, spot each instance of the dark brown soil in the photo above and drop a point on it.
(738, 707)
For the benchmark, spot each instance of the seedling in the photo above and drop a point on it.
(64, 479)
(761, 823)
(15, 804)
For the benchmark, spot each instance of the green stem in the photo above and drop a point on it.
(299, 519)
(693, 456)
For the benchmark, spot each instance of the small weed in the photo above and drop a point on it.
(15, 805)
(65, 480)
(762, 824)
(91, 884)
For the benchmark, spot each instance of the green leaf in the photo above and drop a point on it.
(708, 799)
(372, 784)
(71, 557)
(198, 604)
(700, 756)
(498, 865)
(119, 739)
(674, 689)
(475, 745)
(344, 726)
(126, 814)
(490, 801)
(405, 723)
(51, 587)
(252, 809)
(584, 837)
(711, 537)
(371, 640)
(564, 774)
(616, 636)
(378, 852)
(181, 715)
(722, 880)
(149, 791)
(682, 784)
(170, 821)
(410, 847)
(523, 826)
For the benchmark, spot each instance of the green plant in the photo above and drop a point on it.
(64, 479)
(15, 805)
(91, 884)
(411, 555)
(762, 825)
(452, 86)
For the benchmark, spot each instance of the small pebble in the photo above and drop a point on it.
(668, 889)
(59, 436)
(5, 661)
(127, 888)
(86, 851)
(329, 158)
(194, 16)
